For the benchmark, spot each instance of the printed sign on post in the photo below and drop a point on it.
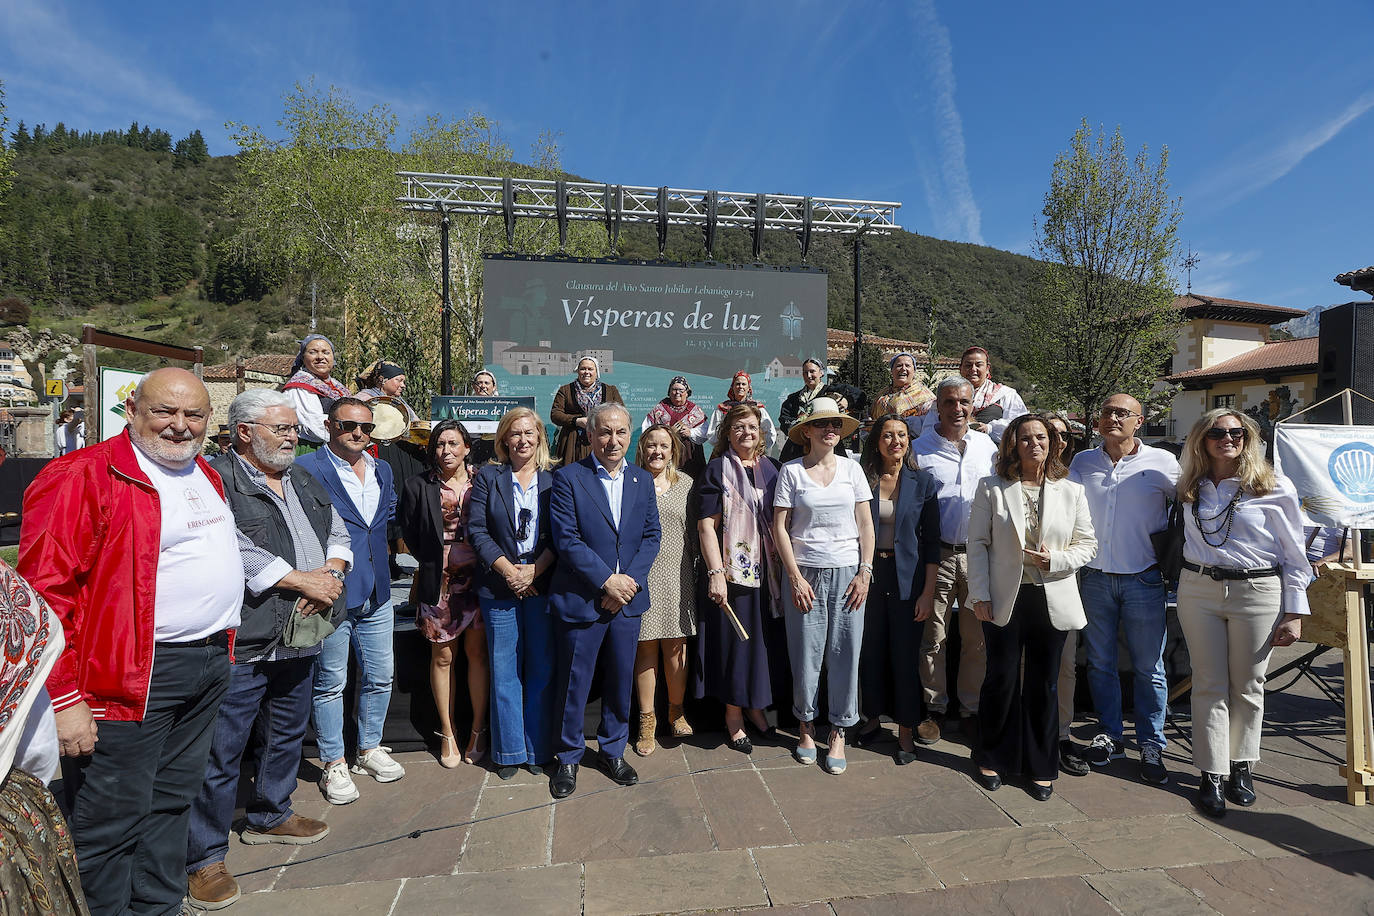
(115, 387)
(480, 415)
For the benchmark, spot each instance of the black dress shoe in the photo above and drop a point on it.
(619, 771)
(1240, 788)
(991, 783)
(1209, 798)
(769, 733)
(1039, 792)
(564, 781)
(904, 757)
(741, 744)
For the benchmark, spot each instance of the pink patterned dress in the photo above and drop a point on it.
(457, 608)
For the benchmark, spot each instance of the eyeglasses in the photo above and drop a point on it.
(829, 423)
(1118, 413)
(1216, 433)
(522, 530)
(278, 429)
(742, 428)
(349, 425)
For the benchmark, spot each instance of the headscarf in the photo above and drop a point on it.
(689, 415)
(914, 400)
(725, 405)
(493, 379)
(302, 378)
(588, 399)
(806, 394)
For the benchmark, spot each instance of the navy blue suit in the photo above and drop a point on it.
(370, 576)
(591, 547)
(492, 527)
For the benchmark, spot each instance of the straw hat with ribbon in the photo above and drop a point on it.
(822, 408)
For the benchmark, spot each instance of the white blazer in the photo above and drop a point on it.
(996, 537)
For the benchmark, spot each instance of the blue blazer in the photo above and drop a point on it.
(917, 538)
(589, 545)
(492, 527)
(370, 576)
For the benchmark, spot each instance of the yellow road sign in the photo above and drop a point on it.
(55, 388)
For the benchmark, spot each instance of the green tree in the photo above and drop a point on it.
(7, 153)
(1101, 320)
(873, 372)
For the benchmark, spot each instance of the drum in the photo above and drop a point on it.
(391, 419)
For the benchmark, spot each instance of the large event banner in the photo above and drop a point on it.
(1332, 468)
(646, 323)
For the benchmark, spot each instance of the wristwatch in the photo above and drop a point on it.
(337, 574)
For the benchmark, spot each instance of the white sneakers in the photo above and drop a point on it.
(337, 785)
(378, 764)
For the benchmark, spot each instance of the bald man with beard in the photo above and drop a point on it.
(132, 543)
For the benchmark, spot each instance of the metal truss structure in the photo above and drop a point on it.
(614, 205)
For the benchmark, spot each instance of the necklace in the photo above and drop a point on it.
(1224, 519)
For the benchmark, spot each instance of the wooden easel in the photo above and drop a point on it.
(1358, 769)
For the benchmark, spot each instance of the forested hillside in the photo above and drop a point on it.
(127, 229)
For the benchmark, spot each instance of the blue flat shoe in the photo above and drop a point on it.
(835, 765)
(804, 755)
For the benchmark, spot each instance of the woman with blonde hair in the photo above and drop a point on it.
(1029, 532)
(1242, 591)
(734, 508)
(510, 532)
(671, 616)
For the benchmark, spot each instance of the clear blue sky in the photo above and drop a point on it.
(956, 110)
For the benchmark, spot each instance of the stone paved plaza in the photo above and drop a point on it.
(709, 830)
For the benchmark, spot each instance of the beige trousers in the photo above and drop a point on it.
(951, 588)
(1228, 625)
(1068, 680)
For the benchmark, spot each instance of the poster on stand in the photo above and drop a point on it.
(115, 387)
(1332, 468)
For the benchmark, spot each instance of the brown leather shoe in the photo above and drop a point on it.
(294, 831)
(648, 725)
(678, 722)
(212, 887)
(928, 732)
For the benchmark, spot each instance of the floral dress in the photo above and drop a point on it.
(457, 608)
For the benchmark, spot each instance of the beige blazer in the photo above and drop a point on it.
(996, 537)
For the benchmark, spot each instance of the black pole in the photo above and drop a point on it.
(445, 331)
(858, 309)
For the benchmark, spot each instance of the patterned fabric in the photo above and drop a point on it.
(672, 580)
(37, 859)
(588, 399)
(457, 608)
(689, 415)
(749, 552)
(327, 388)
(914, 400)
(26, 631)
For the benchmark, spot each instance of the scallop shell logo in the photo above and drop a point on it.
(1352, 471)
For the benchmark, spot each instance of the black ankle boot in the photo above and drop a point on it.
(1240, 789)
(1209, 798)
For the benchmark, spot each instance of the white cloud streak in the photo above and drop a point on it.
(56, 64)
(949, 192)
(1243, 176)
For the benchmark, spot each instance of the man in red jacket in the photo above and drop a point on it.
(131, 542)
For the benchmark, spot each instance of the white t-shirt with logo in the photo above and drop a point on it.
(199, 570)
(822, 527)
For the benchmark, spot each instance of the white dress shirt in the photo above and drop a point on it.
(366, 493)
(958, 471)
(1266, 531)
(1129, 501)
(522, 498)
(614, 485)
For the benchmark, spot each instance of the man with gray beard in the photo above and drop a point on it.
(295, 552)
(132, 544)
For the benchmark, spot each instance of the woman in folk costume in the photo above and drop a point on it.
(571, 405)
(385, 379)
(994, 405)
(741, 392)
(38, 866)
(798, 402)
(906, 396)
(311, 388)
(682, 416)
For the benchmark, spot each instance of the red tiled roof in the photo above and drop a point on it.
(1277, 356)
(267, 363)
(1357, 279)
(1236, 308)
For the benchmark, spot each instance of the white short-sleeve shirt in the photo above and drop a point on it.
(822, 527)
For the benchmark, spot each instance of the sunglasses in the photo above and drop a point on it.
(1216, 433)
(829, 423)
(522, 530)
(349, 425)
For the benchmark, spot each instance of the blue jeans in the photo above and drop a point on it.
(1135, 602)
(368, 630)
(825, 635)
(521, 648)
(276, 697)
